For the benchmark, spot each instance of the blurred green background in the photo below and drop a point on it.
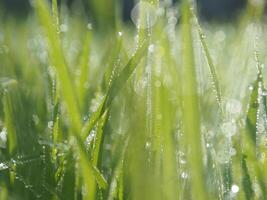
(103, 11)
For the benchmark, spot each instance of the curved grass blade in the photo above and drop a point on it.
(212, 69)
(116, 85)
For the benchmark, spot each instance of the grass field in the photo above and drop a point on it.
(171, 108)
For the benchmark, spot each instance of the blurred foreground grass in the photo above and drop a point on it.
(170, 110)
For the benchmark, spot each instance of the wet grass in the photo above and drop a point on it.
(175, 110)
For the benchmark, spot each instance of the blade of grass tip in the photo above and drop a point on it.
(191, 115)
(114, 89)
(212, 69)
(58, 60)
(120, 81)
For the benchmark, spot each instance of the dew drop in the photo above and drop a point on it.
(264, 93)
(63, 28)
(148, 145)
(234, 188)
(50, 124)
(3, 166)
(35, 119)
(89, 26)
(90, 138)
(151, 48)
(233, 106)
(144, 15)
(202, 36)
(232, 151)
(184, 175)
(120, 33)
(222, 157)
(3, 138)
(251, 87)
(229, 129)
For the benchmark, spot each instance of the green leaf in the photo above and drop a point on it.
(191, 114)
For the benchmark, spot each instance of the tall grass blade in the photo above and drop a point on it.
(191, 115)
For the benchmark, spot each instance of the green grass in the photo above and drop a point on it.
(174, 111)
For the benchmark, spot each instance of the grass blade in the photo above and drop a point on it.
(191, 115)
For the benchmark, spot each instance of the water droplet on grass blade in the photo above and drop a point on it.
(3, 166)
(90, 138)
(148, 145)
(233, 106)
(120, 33)
(202, 36)
(63, 28)
(234, 188)
(229, 129)
(250, 87)
(89, 26)
(184, 175)
(151, 48)
(264, 93)
(50, 124)
(232, 151)
(222, 157)
(3, 138)
(144, 15)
